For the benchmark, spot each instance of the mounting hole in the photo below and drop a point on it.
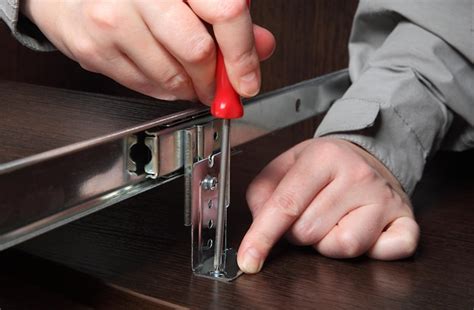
(216, 136)
(209, 204)
(210, 224)
(140, 154)
(298, 105)
(209, 243)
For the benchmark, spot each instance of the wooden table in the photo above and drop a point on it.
(136, 254)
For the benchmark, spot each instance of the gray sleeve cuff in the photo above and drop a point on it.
(397, 107)
(394, 117)
(22, 28)
(382, 132)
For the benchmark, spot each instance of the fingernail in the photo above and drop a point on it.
(252, 263)
(249, 84)
(165, 97)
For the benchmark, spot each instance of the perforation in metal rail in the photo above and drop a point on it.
(87, 176)
(205, 193)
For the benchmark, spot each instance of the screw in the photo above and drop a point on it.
(209, 183)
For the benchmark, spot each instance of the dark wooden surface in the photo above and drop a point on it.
(141, 245)
(311, 40)
(136, 254)
(41, 284)
(35, 119)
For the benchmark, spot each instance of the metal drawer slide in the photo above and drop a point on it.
(45, 190)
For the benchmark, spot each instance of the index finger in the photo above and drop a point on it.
(291, 197)
(233, 30)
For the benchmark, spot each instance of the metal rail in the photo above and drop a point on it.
(44, 191)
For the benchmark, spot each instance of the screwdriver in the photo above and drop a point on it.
(226, 106)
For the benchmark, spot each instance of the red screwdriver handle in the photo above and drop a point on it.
(226, 102)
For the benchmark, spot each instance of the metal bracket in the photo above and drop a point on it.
(65, 184)
(205, 193)
(142, 154)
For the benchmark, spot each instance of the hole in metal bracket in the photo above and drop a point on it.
(140, 154)
(298, 105)
(210, 162)
(210, 224)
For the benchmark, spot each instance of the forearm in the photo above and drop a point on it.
(397, 108)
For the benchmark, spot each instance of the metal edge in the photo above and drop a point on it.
(93, 204)
(30, 160)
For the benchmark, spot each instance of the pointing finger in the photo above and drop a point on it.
(291, 197)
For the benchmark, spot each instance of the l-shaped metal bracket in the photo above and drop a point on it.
(138, 159)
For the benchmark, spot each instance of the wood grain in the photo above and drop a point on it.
(41, 284)
(141, 245)
(35, 119)
(136, 254)
(311, 38)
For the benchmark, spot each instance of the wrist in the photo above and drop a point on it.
(375, 163)
(38, 11)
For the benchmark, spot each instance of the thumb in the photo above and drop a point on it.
(398, 241)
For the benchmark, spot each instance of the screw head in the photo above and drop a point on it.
(209, 183)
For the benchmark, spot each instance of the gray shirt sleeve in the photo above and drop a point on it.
(22, 29)
(409, 86)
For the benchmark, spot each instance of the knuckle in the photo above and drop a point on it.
(363, 173)
(265, 241)
(102, 15)
(175, 82)
(256, 190)
(349, 245)
(246, 61)
(326, 148)
(229, 9)
(85, 51)
(88, 66)
(251, 193)
(140, 85)
(286, 204)
(202, 50)
(303, 234)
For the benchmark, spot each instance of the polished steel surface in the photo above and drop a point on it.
(45, 190)
(222, 200)
(211, 256)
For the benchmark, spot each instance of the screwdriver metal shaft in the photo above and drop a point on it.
(221, 200)
(226, 106)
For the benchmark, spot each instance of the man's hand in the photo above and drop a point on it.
(159, 48)
(334, 196)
